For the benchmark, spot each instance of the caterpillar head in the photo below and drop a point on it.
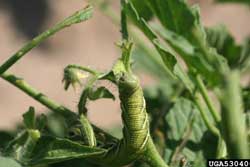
(127, 82)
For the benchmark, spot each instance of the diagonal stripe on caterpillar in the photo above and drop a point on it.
(135, 120)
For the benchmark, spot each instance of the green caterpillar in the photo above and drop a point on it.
(135, 120)
(83, 131)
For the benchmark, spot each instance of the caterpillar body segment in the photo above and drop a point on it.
(87, 131)
(83, 131)
(136, 124)
(134, 115)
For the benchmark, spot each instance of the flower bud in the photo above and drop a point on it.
(72, 77)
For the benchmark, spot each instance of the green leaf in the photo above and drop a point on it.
(5, 138)
(171, 12)
(238, 56)
(166, 55)
(189, 53)
(139, 21)
(219, 38)
(184, 77)
(185, 35)
(51, 150)
(179, 117)
(8, 162)
(21, 147)
(91, 94)
(75, 163)
(16, 143)
(110, 76)
(177, 16)
(41, 122)
(159, 94)
(29, 118)
(140, 164)
(148, 60)
(24, 151)
(101, 92)
(143, 9)
(187, 135)
(168, 59)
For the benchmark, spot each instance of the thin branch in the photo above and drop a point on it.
(79, 16)
(204, 93)
(43, 99)
(107, 10)
(85, 69)
(124, 29)
(206, 120)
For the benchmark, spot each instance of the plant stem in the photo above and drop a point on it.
(206, 120)
(151, 53)
(106, 9)
(43, 99)
(152, 156)
(109, 12)
(207, 99)
(124, 29)
(85, 69)
(233, 124)
(83, 98)
(25, 87)
(77, 17)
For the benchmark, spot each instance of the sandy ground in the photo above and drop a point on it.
(90, 44)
